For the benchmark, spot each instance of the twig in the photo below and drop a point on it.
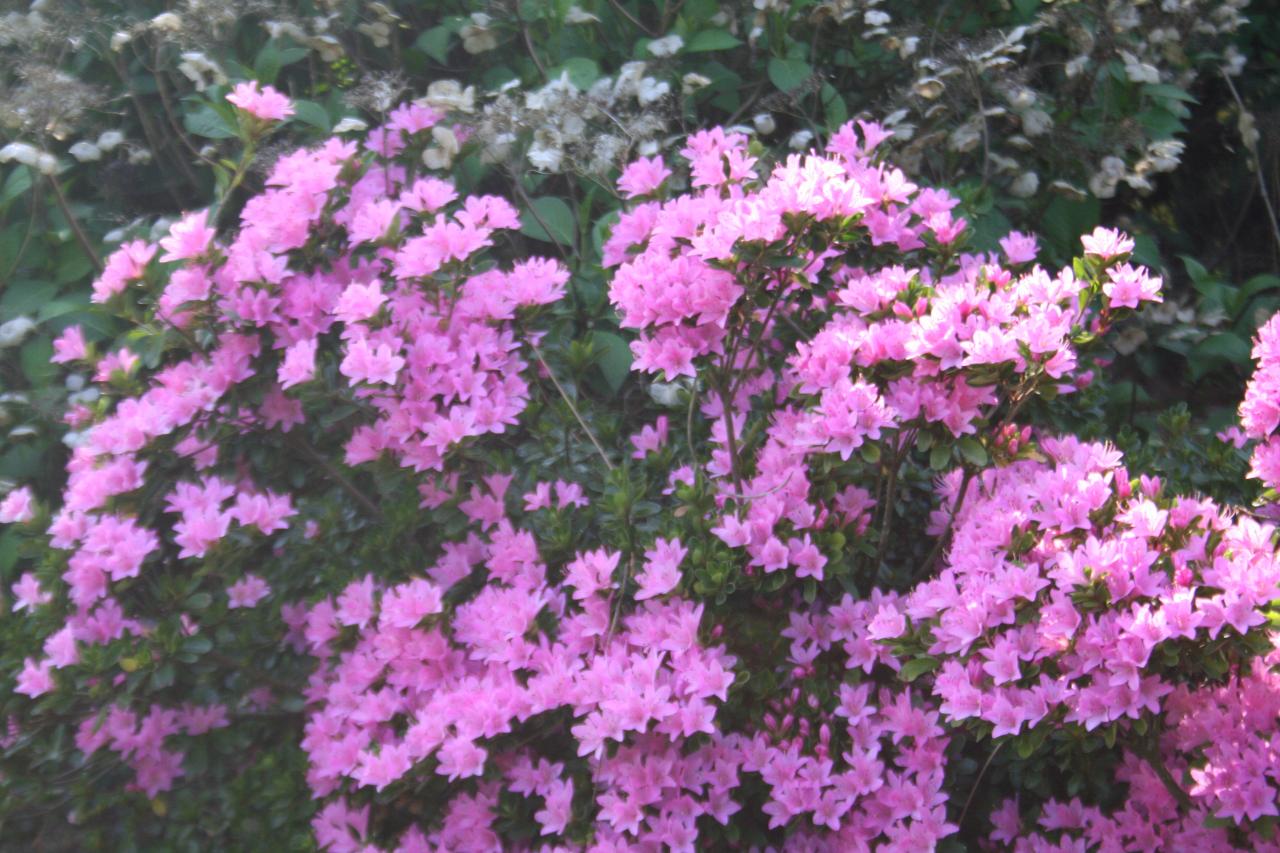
(528, 43)
(528, 203)
(582, 423)
(974, 790)
(338, 477)
(1257, 161)
(946, 533)
(622, 11)
(1150, 756)
(81, 238)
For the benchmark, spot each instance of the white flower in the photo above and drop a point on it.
(85, 151)
(546, 156)
(876, 18)
(379, 32)
(349, 124)
(476, 36)
(576, 15)
(1112, 166)
(1022, 98)
(908, 46)
(46, 164)
(1076, 65)
(449, 95)
(74, 382)
(109, 139)
(1036, 122)
(665, 393)
(23, 152)
(692, 82)
(1102, 185)
(278, 29)
(14, 331)
(139, 156)
(440, 155)
(929, 87)
(201, 70)
(1025, 185)
(1142, 72)
(965, 137)
(651, 90)
(666, 46)
(166, 21)
(800, 140)
(119, 39)
(329, 47)
(764, 123)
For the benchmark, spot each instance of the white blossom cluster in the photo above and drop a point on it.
(560, 128)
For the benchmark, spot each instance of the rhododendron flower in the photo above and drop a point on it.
(188, 238)
(247, 592)
(69, 346)
(643, 176)
(1107, 243)
(28, 594)
(35, 679)
(299, 364)
(375, 364)
(17, 507)
(661, 572)
(125, 265)
(265, 103)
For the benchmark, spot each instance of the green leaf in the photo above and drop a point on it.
(206, 122)
(787, 74)
(940, 456)
(1223, 347)
(36, 365)
(551, 213)
(17, 183)
(25, 297)
(266, 67)
(973, 451)
(435, 43)
(197, 645)
(711, 40)
(833, 107)
(916, 667)
(1169, 92)
(309, 112)
(199, 601)
(613, 356)
(582, 71)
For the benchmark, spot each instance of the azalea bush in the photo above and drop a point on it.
(380, 535)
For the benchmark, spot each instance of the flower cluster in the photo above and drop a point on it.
(329, 478)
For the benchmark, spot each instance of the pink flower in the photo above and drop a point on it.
(1019, 248)
(299, 364)
(17, 507)
(1127, 286)
(661, 572)
(69, 346)
(35, 679)
(247, 592)
(376, 364)
(266, 104)
(1106, 243)
(643, 176)
(188, 238)
(28, 594)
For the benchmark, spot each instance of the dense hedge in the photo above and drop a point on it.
(634, 454)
